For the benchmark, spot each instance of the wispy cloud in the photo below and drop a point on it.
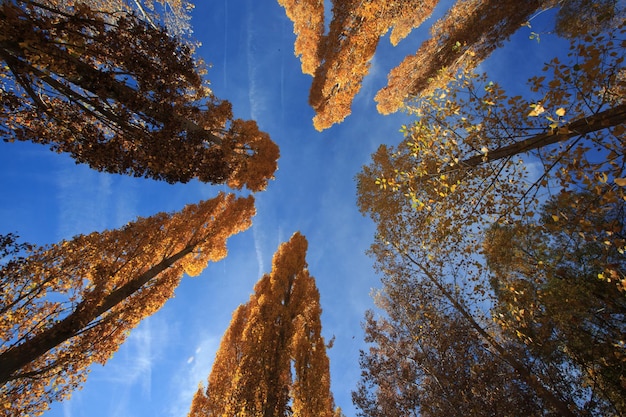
(258, 246)
(92, 201)
(195, 372)
(255, 99)
(138, 355)
(225, 42)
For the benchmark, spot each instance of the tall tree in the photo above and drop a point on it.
(66, 306)
(346, 51)
(548, 295)
(461, 168)
(100, 91)
(278, 330)
(308, 25)
(463, 38)
(426, 360)
(441, 278)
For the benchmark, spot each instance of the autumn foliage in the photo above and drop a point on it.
(530, 262)
(277, 330)
(96, 88)
(174, 15)
(345, 52)
(462, 39)
(308, 21)
(459, 41)
(71, 304)
(552, 296)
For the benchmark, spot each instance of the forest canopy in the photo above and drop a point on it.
(493, 201)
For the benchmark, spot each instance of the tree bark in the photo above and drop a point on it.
(603, 120)
(15, 358)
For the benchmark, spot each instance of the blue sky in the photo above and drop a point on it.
(46, 197)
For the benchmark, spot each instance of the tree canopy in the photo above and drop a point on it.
(463, 168)
(345, 52)
(278, 330)
(551, 295)
(463, 38)
(99, 90)
(174, 15)
(71, 304)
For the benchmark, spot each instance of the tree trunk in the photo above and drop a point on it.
(603, 120)
(17, 357)
(548, 396)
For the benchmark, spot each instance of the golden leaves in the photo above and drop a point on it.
(308, 25)
(480, 24)
(158, 121)
(278, 328)
(345, 52)
(107, 283)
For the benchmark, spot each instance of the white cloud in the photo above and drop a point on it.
(254, 97)
(188, 377)
(258, 247)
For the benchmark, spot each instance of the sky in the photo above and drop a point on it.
(46, 197)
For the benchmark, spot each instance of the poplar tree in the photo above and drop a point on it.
(277, 330)
(71, 304)
(308, 25)
(123, 96)
(346, 51)
(462, 39)
(471, 30)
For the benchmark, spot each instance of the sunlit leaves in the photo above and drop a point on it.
(340, 59)
(463, 38)
(308, 25)
(69, 305)
(277, 330)
(102, 92)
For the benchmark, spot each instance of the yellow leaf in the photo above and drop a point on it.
(555, 217)
(603, 178)
(560, 112)
(620, 181)
(537, 110)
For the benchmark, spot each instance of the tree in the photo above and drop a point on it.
(461, 165)
(462, 39)
(444, 289)
(461, 168)
(580, 17)
(174, 15)
(346, 51)
(549, 297)
(277, 330)
(71, 304)
(308, 25)
(100, 91)
(425, 360)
